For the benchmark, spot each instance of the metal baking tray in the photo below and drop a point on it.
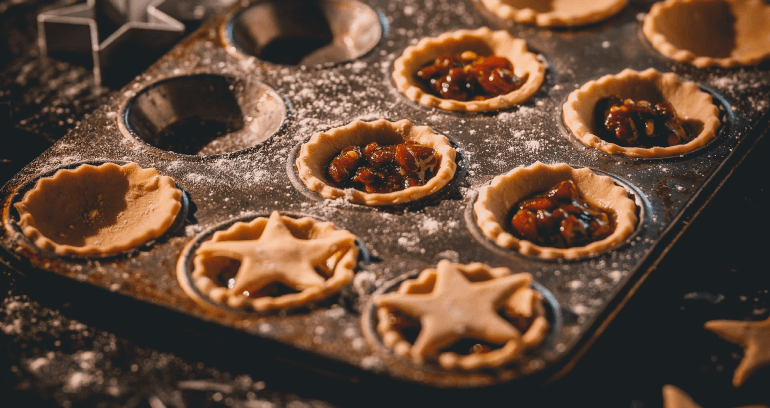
(268, 109)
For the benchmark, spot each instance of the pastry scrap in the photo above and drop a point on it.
(673, 397)
(707, 33)
(753, 337)
(99, 210)
(467, 317)
(494, 207)
(642, 114)
(330, 159)
(482, 42)
(274, 263)
(555, 13)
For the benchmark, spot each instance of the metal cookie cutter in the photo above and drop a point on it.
(117, 33)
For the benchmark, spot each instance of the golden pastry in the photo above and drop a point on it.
(482, 42)
(495, 203)
(493, 308)
(554, 13)
(706, 33)
(273, 263)
(694, 109)
(99, 210)
(318, 153)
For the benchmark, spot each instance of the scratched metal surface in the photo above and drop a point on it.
(401, 240)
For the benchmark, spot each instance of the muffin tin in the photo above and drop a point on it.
(255, 114)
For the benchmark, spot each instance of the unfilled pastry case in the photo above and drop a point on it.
(269, 109)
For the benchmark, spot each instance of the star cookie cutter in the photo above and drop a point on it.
(107, 29)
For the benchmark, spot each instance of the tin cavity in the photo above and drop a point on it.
(204, 114)
(299, 32)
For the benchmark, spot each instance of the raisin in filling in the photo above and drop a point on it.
(559, 218)
(639, 124)
(384, 169)
(470, 77)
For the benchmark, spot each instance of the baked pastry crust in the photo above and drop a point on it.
(493, 206)
(692, 31)
(693, 107)
(456, 301)
(482, 41)
(99, 210)
(315, 155)
(304, 254)
(557, 13)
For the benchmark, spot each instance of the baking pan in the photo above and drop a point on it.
(263, 109)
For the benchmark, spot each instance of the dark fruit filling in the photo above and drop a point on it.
(384, 169)
(639, 124)
(559, 218)
(470, 77)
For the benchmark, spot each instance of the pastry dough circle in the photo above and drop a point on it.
(98, 210)
(561, 13)
(204, 266)
(493, 206)
(691, 105)
(318, 152)
(670, 38)
(524, 300)
(482, 41)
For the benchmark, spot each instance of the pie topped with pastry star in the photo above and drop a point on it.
(273, 263)
(466, 317)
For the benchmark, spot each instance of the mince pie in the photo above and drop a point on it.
(377, 163)
(706, 33)
(642, 114)
(273, 263)
(555, 13)
(531, 209)
(99, 210)
(466, 317)
(469, 70)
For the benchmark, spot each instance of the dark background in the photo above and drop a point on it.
(56, 350)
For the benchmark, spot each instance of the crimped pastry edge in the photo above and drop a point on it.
(688, 100)
(661, 43)
(550, 19)
(170, 201)
(496, 199)
(500, 42)
(343, 273)
(322, 147)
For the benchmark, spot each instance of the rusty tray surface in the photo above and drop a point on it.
(251, 173)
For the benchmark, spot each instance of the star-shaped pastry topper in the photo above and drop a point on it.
(457, 309)
(673, 397)
(104, 28)
(278, 256)
(753, 337)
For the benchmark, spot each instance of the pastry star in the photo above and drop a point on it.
(277, 256)
(754, 337)
(457, 309)
(673, 397)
